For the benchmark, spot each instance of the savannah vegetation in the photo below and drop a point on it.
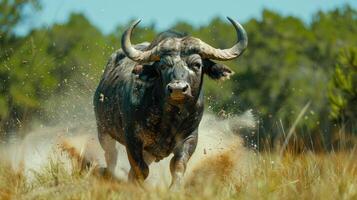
(267, 176)
(300, 80)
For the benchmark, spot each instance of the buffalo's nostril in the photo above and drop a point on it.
(169, 89)
(185, 88)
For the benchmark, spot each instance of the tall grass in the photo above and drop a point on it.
(265, 176)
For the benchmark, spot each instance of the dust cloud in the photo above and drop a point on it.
(218, 147)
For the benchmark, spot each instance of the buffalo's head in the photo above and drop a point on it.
(180, 62)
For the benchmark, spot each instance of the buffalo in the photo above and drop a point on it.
(150, 98)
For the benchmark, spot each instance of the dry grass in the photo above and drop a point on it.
(225, 175)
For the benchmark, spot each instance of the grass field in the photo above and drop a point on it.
(225, 175)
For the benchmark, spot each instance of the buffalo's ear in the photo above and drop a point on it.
(145, 72)
(216, 71)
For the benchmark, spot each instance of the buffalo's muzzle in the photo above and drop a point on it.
(178, 90)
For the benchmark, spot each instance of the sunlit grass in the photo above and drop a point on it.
(268, 176)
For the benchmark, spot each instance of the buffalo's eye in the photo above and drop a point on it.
(196, 65)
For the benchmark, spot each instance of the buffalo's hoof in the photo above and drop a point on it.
(105, 173)
(175, 187)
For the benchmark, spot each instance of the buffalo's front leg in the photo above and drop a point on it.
(139, 169)
(181, 156)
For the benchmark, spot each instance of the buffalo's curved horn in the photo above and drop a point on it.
(131, 52)
(210, 52)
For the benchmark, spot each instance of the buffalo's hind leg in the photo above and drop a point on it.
(110, 153)
(181, 157)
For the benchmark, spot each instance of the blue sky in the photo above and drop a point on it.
(107, 14)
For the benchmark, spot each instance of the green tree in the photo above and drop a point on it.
(343, 90)
(11, 15)
(47, 63)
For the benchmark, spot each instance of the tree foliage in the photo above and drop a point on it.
(343, 90)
